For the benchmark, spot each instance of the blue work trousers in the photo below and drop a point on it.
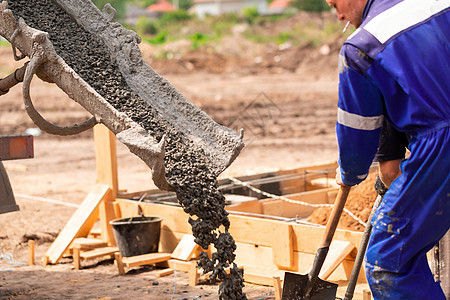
(412, 218)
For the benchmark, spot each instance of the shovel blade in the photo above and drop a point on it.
(295, 285)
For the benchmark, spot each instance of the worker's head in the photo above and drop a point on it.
(349, 10)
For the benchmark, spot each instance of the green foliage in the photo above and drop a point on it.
(198, 39)
(174, 17)
(146, 3)
(160, 38)
(283, 38)
(185, 4)
(310, 5)
(222, 25)
(146, 26)
(250, 14)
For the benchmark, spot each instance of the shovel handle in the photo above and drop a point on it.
(330, 229)
(336, 212)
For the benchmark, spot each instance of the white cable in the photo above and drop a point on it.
(269, 195)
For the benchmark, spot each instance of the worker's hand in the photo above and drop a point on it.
(339, 177)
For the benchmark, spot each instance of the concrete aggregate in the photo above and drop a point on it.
(187, 168)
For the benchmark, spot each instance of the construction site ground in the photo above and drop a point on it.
(288, 115)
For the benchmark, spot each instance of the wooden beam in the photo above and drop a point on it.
(367, 295)
(339, 250)
(179, 265)
(282, 246)
(277, 287)
(186, 248)
(273, 207)
(87, 243)
(306, 238)
(106, 158)
(145, 259)
(106, 161)
(193, 274)
(119, 263)
(164, 272)
(31, 247)
(81, 217)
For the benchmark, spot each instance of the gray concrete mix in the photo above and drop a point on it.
(188, 170)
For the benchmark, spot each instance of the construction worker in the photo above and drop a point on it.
(396, 66)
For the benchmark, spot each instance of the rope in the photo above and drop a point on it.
(269, 195)
(12, 262)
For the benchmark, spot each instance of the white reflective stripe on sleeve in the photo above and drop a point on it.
(402, 16)
(359, 122)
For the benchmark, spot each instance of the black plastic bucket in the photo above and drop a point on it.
(137, 235)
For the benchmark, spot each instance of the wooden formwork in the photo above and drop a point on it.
(270, 235)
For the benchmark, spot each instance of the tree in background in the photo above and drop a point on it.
(310, 5)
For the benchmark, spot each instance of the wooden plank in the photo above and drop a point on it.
(31, 247)
(145, 259)
(87, 243)
(277, 287)
(106, 158)
(254, 206)
(179, 265)
(306, 238)
(106, 162)
(75, 224)
(285, 209)
(99, 252)
(164, 272)
(88, 226)
(106, 210)
(282, 246)
(257, 278)
(119, 263)
(367, 295)
(193, 274)
(186, 248)
(339, 250)
(76, 258)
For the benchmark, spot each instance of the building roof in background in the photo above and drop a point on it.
(163, 6)
(279, 4)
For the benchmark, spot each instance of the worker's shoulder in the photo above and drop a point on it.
(389, 20)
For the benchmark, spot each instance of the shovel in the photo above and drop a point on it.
(310, 286)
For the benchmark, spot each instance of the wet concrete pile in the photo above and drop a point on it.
(187, 171)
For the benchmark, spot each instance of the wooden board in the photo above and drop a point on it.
(81, 218)
(145, 259)
(282, 246)
(87, 243)
(106, 161)
(186, 248)
(164, 272)
(339, 250)
(285, 209)
(99, 252)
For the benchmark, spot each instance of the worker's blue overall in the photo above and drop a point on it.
(397, 65)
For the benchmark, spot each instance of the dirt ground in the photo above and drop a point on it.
(287, 111)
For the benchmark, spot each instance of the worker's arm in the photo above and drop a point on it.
(12, 79)
(360, 116)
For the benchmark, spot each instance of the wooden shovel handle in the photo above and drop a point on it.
(336, 212)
